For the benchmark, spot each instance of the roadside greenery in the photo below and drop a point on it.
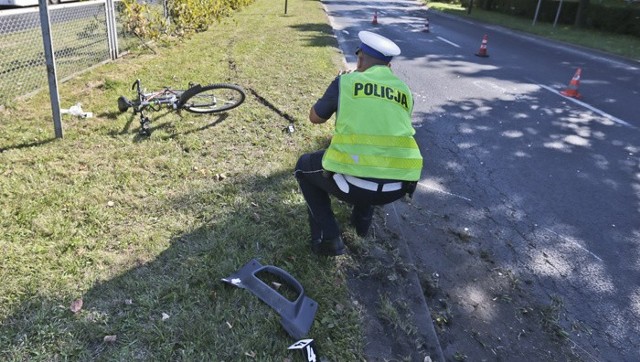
(615, 16)
(142, 20)
(186, 16)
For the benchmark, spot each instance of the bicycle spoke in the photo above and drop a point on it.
(215, 98)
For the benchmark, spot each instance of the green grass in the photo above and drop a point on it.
(622, 45)
(141, 227)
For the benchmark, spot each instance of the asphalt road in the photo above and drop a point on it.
(544, 185)
(14, 20)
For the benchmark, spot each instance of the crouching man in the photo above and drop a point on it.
(373, 158)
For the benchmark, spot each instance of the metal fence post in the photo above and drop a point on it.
(45, 24)
(112, 31)
(535, 17)
(557, 14)
(165, 11)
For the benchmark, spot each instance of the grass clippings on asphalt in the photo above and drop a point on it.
(141, 230)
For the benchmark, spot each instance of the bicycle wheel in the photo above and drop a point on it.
(212, 98)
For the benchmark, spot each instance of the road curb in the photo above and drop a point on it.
(419, 305)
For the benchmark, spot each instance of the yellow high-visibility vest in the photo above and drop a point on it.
(373, 133)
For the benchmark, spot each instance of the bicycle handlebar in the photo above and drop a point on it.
(136, 85)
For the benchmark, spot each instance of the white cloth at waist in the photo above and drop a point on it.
(363, 184)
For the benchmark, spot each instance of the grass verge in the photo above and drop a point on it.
(142, 229)
(621, 45)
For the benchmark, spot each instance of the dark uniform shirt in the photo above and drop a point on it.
(326, 106)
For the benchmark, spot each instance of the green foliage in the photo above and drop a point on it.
(185, 17)
(189, 16)
(621, 18)
(618, 20)
(141, 20)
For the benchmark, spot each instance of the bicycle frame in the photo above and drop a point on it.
(153, 101)
(156, 99)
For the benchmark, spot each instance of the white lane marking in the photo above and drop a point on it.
(594, 109)
(573, 242)
(448, 42)
(442, 191)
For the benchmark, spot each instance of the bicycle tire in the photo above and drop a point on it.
(212, 98)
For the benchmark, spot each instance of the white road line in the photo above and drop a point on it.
(448, 42)
(573, 242)
(443, 191)
(596, 110)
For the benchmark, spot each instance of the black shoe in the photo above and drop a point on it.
(331, 247)
(361, 224)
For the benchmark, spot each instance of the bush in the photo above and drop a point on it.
(617, 20)
(621, 20)
(141, 20)
(189, 16)
(186, 16)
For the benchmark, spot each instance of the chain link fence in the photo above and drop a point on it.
(80, 41)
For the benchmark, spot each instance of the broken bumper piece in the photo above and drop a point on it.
(297, 316)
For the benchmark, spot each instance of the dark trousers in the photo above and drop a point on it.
(316, 185)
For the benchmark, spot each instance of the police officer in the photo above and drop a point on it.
(373, 158)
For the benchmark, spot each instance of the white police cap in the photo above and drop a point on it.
(377, 46)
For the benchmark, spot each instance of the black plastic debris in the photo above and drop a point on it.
(297, 316)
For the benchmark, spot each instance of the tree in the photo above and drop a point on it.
(581, 14)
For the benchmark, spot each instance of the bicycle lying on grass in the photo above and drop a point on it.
(212, 98)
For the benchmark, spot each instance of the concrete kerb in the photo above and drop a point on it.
(422, 314)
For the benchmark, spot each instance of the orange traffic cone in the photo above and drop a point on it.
(375, 18)
(426, 26)
(572, 90)
(483, 48)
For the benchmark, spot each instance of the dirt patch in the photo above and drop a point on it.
(479, 310)
(382, 286)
